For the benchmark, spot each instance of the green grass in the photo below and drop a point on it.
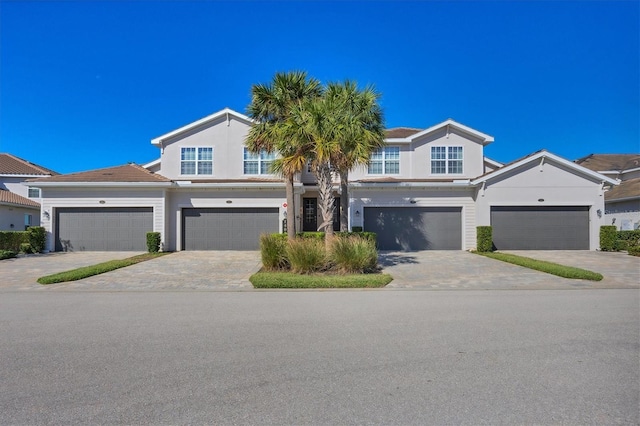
(544, 266)
(100, 268)
(292, 280)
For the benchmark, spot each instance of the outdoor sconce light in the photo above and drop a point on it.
(599, 212)
(46, 214)
(412, 201)
(357, 213)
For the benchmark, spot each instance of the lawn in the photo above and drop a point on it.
(291, 280)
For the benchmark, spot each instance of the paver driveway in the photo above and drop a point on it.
(463, 270)
(204, 270)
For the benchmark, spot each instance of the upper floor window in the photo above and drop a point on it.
(258, 164)
(385, 161)
(196, 161)
(34, 192)
(446, 160)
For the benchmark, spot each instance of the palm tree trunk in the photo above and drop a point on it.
(327, 206)
(344, 201)
(291, 211)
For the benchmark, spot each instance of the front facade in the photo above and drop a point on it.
(427, 189)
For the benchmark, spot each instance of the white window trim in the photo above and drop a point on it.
(30, 188)
(259, 160)
(384, 162)
(446, 160)
(197, 161)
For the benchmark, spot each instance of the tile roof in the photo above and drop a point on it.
(627, 189)
(12, 165)
(401, 132)
(8, 197)
(609, 162)
(126, 173)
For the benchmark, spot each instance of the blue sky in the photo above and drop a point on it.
(88, 84)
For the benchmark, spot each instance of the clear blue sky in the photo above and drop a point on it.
(88, 84)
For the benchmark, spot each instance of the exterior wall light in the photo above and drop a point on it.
(357, 213)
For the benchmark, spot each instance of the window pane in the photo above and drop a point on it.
(438, 153)
(188, 168)
(375, 168)
(188, 154)
(392, 152)
(34, 192)
(250, 167)
(267, 156)
(392, 167)
(455, 166)
(377, 155)
(438, 167)
(249, 156)
(205, 167)
(205, 154)
(455, 153)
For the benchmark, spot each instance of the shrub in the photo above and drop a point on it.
(153, 242)
(353, 254)
(26, 248)
(634, 251)
(356, 229)
(484, 239)
(37, 237)
(11, 240)
(7, 254)
(608, 237)
(306, 255)
(273, 251)
(311, 235)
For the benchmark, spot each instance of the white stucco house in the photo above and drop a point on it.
(428, 189)
(19, 203)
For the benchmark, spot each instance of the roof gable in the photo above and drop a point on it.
(544, 155)
(12, 165)
(227, 112)
(447, 124)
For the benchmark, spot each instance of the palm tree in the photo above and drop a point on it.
(359, 131)
(271, 106)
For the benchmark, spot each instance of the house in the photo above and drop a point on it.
(622, 203)
(428, 189)
(19, 204)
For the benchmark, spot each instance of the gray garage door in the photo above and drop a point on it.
(415, 228)
(227, 228)
(103, 229)
(540, 228)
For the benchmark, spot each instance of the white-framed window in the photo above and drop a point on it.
(257, 164)
(196, 161)
(34, 192)
(446, 160)
(28, 220)
(385, 161)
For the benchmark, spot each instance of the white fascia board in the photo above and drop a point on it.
(493, 162)
(24, 176)
(630, 170)
(232, 185)
(152, 163)
(449, 122)
(101, 184)
(617, 200)
(195, 124)
(460, 184)
(550, 156)
(397, 140)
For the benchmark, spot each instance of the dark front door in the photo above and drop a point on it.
(310, 214)
(336, 214)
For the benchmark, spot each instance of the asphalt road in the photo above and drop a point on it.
(334, 357)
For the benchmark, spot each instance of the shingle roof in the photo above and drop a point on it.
(610, 162)
(401, 132)
(8, 197)
(627, 189)
(12, 165)
(125, 173)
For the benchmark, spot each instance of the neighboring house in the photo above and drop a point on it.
(428, 189)
(621, 203)
(19, 204)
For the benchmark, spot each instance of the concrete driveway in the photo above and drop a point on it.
(452, 270)
(186, 270)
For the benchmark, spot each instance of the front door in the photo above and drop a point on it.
(310, 214)
(336, 214)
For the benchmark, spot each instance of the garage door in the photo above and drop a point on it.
(227, 229)
(415, 228)
(103, 229)
(540, 228)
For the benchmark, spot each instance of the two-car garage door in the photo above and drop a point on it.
(103, 228)
(540, 228)
(227, 228)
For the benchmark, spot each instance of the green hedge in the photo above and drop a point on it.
(608, 237)
(37, 238)
(153, 242)
(7, 254)
(11, 240)
(370, 236)
(484, 238)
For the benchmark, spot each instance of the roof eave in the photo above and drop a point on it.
(46, 184)
(195, 124)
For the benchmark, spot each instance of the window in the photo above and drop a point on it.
(385, 161)
(28, 220)
(446, 160)
(196, 161)
(258, 164)
(34, 192)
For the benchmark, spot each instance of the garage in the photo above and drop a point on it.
(227, 228)
(540, 228)
(102, 228)
(415, 228)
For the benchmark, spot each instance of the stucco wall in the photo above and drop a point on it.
(14, 184)
(549, 184)
(14, 215)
